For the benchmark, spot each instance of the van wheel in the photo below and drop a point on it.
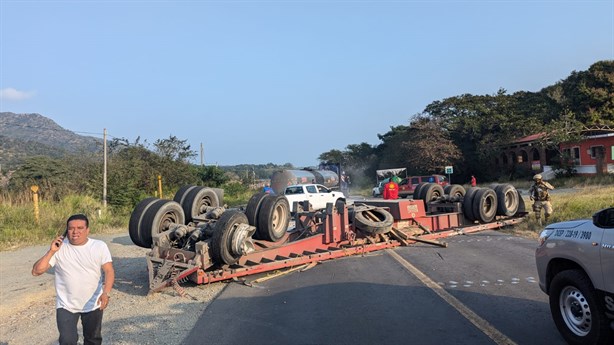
(578, 315)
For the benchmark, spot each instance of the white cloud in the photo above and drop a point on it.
(11, 94)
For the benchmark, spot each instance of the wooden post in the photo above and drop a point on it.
(34, 189)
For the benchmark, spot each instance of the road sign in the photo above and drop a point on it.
(449, 169)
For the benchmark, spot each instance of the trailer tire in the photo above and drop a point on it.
(417, 190)
(431, 192)
(158, 218)
(221, 241)
(136, 217)
(273, 218)
(507, 197)
(182, 193)
(521, 205)
(454, 190)
(485, 205)
(468, 203)
(381, 226)
(197, 200)
(253, 206)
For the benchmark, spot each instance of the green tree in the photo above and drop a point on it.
(174, 149)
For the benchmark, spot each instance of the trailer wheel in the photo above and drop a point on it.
(253, 206)
(468, 203)
(221, 241)
(373, 221)
(454, 190)
(416, 195)
(485, 205)
(521, 205)
(182, 193)
(507, 197)
(197, 200)
(430, 192)
(158, 218)
(136, 217)
(273, 218)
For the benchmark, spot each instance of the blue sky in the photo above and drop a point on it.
(281, 81)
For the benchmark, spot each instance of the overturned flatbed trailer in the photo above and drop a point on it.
(219, 244)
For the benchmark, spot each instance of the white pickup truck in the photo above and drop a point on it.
(317, 195)
(575, 264)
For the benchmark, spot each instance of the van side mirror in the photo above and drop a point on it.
(604, 218)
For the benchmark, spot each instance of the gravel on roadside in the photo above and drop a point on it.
(27, 303)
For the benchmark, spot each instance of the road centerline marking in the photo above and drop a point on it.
(483, 325)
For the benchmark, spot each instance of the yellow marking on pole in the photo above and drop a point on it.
(160, 185)
(474, 318)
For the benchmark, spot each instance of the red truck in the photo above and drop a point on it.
(407, 185)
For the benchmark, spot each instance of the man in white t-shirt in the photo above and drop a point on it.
(79, 262)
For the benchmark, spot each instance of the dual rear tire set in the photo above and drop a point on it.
(432, 191)
(152, 216)
(484, 204)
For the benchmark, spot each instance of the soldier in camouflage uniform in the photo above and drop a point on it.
(538, 193)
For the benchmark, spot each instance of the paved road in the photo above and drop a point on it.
(482, 289)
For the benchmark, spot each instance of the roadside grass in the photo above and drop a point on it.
(20, 228)
(580, 203)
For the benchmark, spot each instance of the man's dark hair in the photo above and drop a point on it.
(79, 216)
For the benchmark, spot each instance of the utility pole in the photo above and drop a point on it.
(104, 172)
(202, 155)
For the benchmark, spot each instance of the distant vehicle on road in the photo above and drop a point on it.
(317, 195)
(575, 263)
(379, 189)
(409, 184)
(383, 176)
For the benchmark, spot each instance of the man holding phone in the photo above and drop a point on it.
(79, 262)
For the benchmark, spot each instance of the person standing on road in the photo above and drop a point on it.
(267, 189)
(80, 293)
(538, 193)
(391, 189)
(474, 182)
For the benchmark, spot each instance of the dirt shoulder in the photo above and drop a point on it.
(27, 303)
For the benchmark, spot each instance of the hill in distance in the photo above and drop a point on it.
(27, 135)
